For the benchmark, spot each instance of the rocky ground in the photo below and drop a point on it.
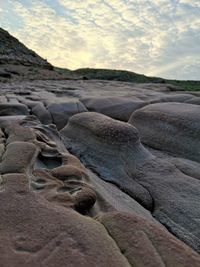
(99, 173)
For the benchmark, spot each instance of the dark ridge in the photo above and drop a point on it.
(12, 51)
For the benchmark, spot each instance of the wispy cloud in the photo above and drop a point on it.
(158, 37)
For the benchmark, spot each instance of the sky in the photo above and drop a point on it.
(151, 37)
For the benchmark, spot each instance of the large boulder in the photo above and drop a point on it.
(171, 127)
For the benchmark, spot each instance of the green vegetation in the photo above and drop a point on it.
(116, 75)
(186, 85)
(63, 71)
(125, 76)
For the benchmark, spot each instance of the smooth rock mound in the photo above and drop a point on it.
(171, 127)
(105, 144)
(119, 108)
(102, 127)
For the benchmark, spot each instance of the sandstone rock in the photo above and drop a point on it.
(67, 172)
(13, 109)
(119, 108)
(113, 150)
(110, 198)
(110, 138)
(34, 232)
(18, 157)
(158, 124)
(2, 150)
(61, 112)
(72, 194)
(47, 136)
(179, 98)
(147, 244)
(194, 100)
(188, 167)
(15, 132)
(5, 120)
(38, 109)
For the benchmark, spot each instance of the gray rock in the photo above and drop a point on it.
(180, 98)
(171, 127)
(18, 157)
(100, 140)
(61, 112)
(194, 100)
(39, 110)
(113, 150)
(10, 109)
(119, 108)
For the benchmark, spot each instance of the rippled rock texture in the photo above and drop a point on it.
(98, 173)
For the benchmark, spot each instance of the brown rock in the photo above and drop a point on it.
(119, 108)
(112, 149)
(18, 157)
(67, 172)
(34, 232)
(172, 127)
(144, 243)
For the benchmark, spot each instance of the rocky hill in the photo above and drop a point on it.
(17, 62)
(12, 51)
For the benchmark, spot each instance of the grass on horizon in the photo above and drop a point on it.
(126, 76)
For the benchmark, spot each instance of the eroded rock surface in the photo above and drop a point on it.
(148, 245)
(79, 188)
(119, 108)
(105, 144)
(121, 159)
(160, 123)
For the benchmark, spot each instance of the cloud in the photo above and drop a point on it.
(158, 37)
